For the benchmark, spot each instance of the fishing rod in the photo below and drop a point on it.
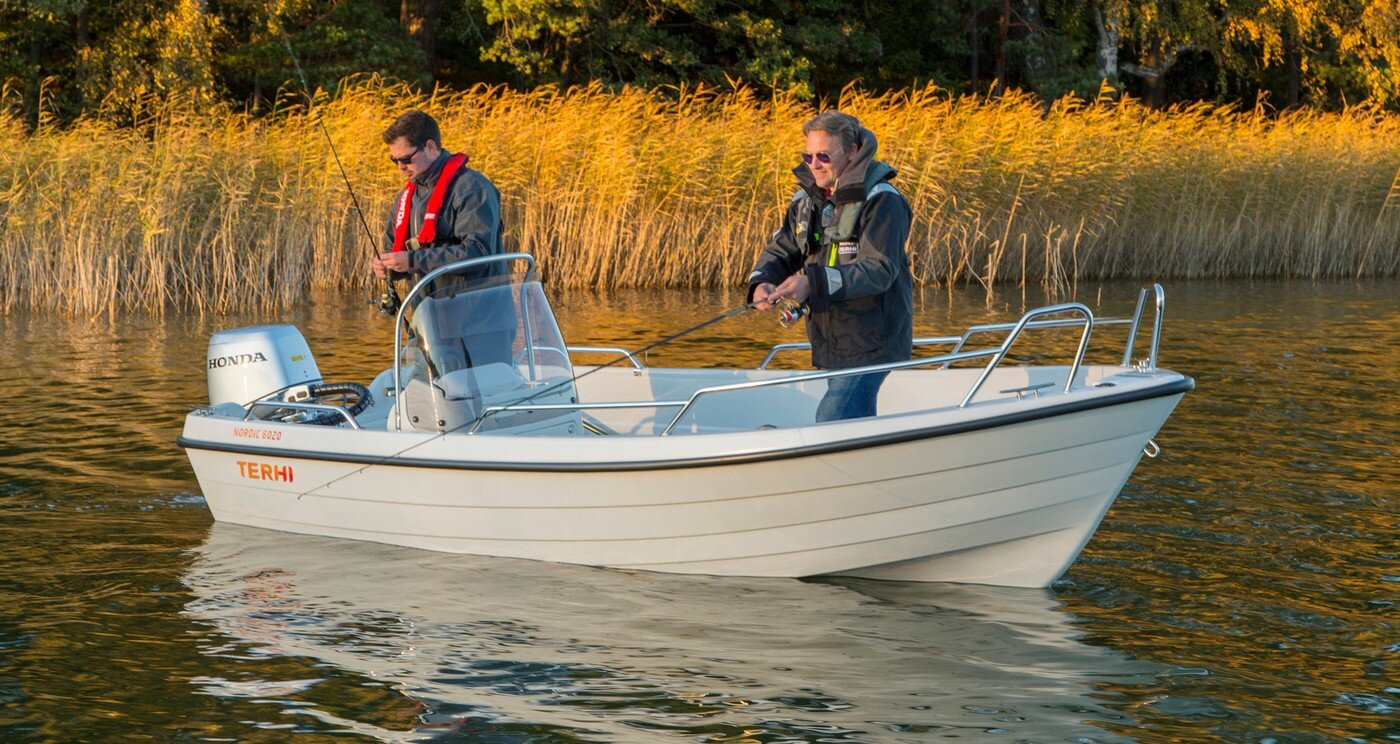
(572, 380)
(388, 302)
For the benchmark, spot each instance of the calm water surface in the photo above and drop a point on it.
(1244, 587)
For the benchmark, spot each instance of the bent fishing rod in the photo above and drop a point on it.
(572, 380)
(388, 302)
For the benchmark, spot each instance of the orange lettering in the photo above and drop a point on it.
(264, 471)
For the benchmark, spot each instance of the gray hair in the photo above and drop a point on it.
(836, 124)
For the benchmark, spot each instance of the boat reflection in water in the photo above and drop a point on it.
(489, 646)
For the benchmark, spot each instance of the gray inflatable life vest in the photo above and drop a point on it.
(838, 223)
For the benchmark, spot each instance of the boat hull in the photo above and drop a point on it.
(1010, 503)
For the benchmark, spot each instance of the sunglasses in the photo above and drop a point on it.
(824, 157)
(405, 160)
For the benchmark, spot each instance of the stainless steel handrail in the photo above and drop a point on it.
(798, 346)
(636, 363)
(621, 404)
(1160, 305)
(1065, 323)
(822, 376)
(301, 407)
(563, 353)
(1088, 321)
(403, 308)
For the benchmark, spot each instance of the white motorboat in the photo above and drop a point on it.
(483, 438)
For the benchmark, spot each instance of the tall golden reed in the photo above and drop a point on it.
(213, 212)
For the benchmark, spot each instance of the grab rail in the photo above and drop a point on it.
(610, 405)
(687, 404)
(1088, 320)
(636, 363)
(929, 341)
(822, 376)
(1064, 323)
(1159, 306)
(431, 275)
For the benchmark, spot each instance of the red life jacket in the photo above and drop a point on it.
(428, 232)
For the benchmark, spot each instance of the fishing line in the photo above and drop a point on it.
(389, 301)
(521, 403)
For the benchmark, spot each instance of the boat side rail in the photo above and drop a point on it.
(824, 375)
(686, 404)
(532, 407)
(1086, 319)
(636, 363)
(1159, 305)
(805, 345)
(997, 354)
(520, 356)
(338, 410)
(1061, 323)
(424, 282)
(958, 342)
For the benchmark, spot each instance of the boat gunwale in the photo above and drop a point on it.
(1180, 385)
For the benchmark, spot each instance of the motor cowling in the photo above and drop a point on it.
(246, 364)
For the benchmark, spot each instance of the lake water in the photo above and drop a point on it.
(1244, 587)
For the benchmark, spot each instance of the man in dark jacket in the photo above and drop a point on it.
(446, 212)
(840, 251)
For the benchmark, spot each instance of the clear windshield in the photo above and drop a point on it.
(489, 342)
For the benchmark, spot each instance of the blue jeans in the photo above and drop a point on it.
(850, 397)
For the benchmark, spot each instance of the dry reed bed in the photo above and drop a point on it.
(215, 211)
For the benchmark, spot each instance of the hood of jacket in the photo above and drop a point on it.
(861, 174)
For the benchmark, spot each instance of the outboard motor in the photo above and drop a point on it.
(246, 364)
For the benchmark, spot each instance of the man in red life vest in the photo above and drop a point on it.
(446, 212)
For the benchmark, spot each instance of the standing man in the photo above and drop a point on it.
(840, 251)
(447, 212)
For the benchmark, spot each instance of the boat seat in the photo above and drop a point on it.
(487, 381)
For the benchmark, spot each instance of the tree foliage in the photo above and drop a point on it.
(102, 57)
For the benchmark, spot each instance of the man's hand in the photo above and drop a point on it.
(795, 288)
(387, 262)
(762, 294)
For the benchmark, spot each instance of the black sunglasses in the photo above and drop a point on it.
(405, 160)
(825, 157)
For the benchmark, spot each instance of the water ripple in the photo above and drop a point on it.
(1242, 588)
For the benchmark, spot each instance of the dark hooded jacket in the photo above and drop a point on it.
(468, 226)
(862, 291)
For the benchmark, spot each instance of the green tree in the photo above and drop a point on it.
(27, 31)
(789, 46)
(1332, 50)
(1329, 50)
(332, 40)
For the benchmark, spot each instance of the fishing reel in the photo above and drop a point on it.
(388, 303)
(790, 312)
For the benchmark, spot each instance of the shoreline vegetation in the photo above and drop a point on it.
(211, 211)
